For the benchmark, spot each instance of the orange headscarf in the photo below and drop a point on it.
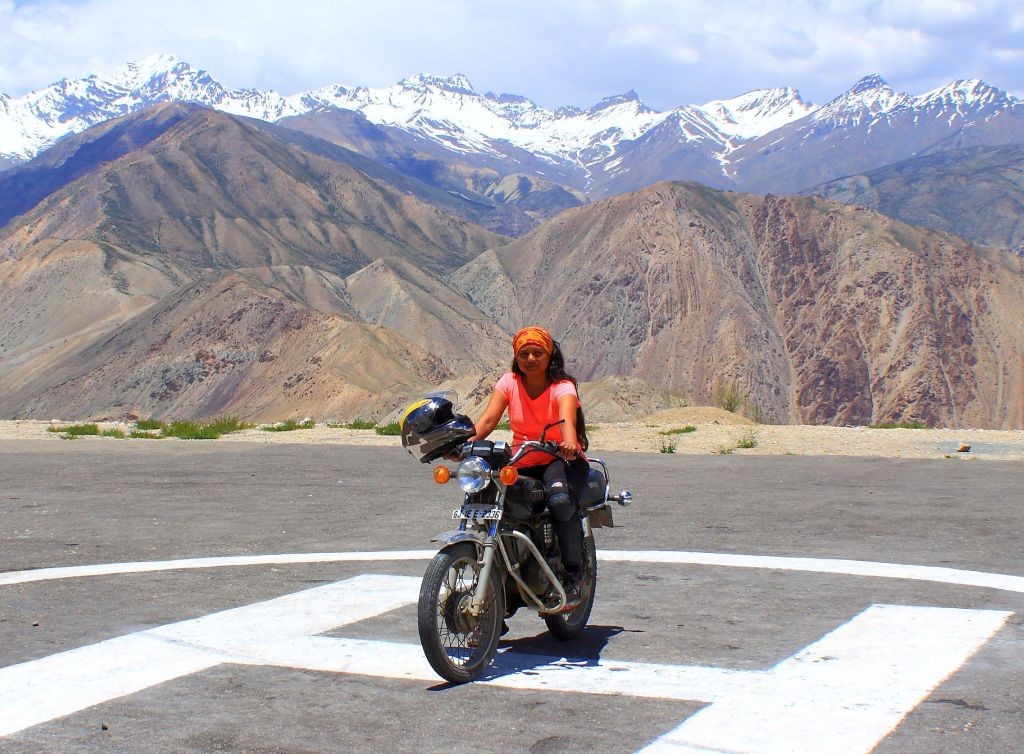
(533, 335)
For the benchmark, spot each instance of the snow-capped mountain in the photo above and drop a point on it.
(870, 126)
(871, 100)
(765, 140)
(756, 113)
(445, 110)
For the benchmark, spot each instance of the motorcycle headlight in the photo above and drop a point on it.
(474, 474)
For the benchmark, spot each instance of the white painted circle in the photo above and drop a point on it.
(865, 568)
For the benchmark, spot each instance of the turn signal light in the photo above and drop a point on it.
(442, 474)
(508, 475)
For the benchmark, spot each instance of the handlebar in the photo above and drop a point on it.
(545, 446)
(550, 447)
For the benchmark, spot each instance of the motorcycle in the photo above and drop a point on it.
(503, 557)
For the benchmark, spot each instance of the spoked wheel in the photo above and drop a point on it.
(570, 625)
(458, 645)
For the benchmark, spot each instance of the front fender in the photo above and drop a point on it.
(456, 536)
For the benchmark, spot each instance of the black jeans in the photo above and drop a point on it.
(561, 480)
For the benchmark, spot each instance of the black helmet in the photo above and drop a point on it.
(431, 428)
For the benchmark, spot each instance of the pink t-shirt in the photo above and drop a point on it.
(528, 416)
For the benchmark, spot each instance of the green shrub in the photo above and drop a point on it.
(729, 395)
(679, 430)
(113, 432)
(668, 446)
(504, 424)
(186, 430)
(289, 425)
(189, 430)
(360, 424)
(228, 424)
(749, 440)
(394, 428)
(151, 429)
(76, 430)
(900, 425)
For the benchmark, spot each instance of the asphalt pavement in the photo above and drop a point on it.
(745, 603)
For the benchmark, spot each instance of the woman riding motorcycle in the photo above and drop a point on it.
(538, 392)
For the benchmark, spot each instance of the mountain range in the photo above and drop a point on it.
(183, 261)
(525, 162)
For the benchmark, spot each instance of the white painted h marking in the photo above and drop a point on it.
(41, 690)
(843, 693)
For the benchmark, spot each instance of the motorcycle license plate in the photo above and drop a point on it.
(477, 514)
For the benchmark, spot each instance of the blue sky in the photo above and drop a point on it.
(569, 52)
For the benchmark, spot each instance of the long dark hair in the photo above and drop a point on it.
(556, 367)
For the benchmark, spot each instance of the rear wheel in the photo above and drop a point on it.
(458, 645)
(569, 625)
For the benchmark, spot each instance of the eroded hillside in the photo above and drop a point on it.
(824, 313)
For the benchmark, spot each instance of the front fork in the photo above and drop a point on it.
(482, 593)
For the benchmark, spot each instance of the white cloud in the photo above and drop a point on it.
(568, 52)
(932, 14)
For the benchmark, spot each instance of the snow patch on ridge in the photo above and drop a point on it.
(756, 113)
(448, 111)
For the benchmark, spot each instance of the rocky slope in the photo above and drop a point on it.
(231, 346)
(975, 192)
(205, 272)
(821, 312)
(217, 191)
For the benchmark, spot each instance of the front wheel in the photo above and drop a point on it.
(570, 625)
(457, 644)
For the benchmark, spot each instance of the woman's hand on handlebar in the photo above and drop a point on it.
(569, 449)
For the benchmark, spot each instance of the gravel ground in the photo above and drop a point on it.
(714, 432)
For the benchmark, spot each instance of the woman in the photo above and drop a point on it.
(538, 392)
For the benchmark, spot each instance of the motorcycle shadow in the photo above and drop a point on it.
(531, 652)
(587, 646)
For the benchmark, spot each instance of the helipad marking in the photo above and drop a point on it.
(61, 684)
(866, 568)
(841, 694)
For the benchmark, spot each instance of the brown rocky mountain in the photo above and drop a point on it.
(25, 186)
(822, 312)
(216, 191)
(205, 272)
(396, 294)
(231, 346)
(975, 192)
